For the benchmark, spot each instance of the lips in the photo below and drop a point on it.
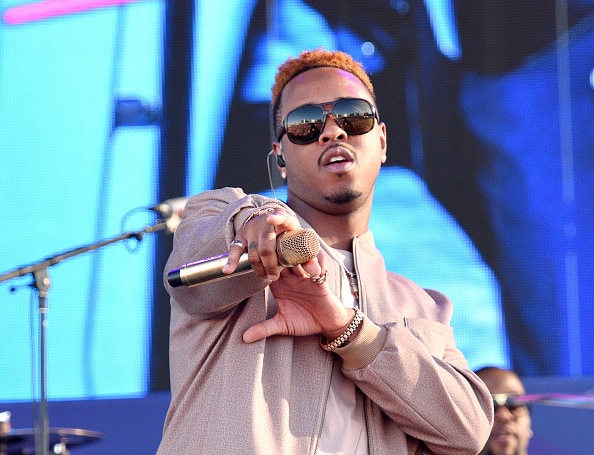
(503, 435)
(337, 158)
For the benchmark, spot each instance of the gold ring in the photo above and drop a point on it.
(321, 278)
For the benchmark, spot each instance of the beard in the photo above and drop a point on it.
(345, 197)
(489, 452)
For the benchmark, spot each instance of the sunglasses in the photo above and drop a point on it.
(508, 401)
(305, 124)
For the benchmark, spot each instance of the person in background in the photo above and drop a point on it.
(337, 354)
(512, 430)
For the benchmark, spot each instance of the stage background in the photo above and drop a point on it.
(133, 425)
(107, 110)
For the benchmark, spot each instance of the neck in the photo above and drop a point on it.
(336, 229)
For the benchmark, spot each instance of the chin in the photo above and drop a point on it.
(344, 197)
(499, 450)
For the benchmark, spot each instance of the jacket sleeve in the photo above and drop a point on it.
(413, 372)
(209, 222)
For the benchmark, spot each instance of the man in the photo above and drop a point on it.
(512, 427)
(336, 355)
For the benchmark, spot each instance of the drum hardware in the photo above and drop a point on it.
(44, 438)
(60, 440)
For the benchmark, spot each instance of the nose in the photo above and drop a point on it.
(503, 413)
(332, 131)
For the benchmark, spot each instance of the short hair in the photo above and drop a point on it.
(493, 368)
(307, 60)
(497, 370)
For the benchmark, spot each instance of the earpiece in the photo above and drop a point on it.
(279, 157)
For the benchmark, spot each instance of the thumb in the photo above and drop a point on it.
(261, 330)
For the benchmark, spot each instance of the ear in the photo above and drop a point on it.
(280, 159)
(383, 142)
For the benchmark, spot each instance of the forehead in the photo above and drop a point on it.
(501, 382)
(319, 85)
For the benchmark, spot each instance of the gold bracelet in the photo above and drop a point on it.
(338, 342)
(259, 212)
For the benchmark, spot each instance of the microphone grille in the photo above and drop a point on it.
(296, 247)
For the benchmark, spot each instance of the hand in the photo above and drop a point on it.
(304, 308)
(259, 235)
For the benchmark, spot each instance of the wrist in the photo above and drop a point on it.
(345, 336)
(261, 211)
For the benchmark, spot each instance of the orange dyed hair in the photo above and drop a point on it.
(308, 60)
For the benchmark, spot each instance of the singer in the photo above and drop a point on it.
(337, 354)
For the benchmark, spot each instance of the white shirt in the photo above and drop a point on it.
(344, 431)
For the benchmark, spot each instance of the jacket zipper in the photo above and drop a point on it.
(324, 404)
(366, 401)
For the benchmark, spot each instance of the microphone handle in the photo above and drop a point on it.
(207, 270)
(292, 247)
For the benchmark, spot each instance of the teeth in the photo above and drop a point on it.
(335, 159)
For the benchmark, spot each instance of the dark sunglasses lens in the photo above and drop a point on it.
(354, 116)
(304, 124)
(511, 406)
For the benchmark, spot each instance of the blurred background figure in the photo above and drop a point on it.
(512, 427)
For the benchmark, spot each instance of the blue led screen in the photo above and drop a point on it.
(69, 177)
(486, 195)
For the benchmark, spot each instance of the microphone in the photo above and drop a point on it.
(171, 210)
(292, 248)
(170, 207)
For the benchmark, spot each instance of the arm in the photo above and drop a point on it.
(415, 374)
(210, 222)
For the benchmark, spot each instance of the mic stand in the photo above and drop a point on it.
(41, 282)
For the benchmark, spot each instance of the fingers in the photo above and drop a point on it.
(315, 266)
(263, 256)
(321, 278)
(236, 250)
(261, 234)
(282, 221)
(258, 238)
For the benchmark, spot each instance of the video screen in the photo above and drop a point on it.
(486, 196)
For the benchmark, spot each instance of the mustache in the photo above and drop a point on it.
(343, 148)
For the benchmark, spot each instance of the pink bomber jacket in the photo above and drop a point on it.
(268, 397)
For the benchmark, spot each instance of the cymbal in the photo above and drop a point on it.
(23, 441)
(558, 399)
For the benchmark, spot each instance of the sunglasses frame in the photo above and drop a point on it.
(325, 113)
(507, 400)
